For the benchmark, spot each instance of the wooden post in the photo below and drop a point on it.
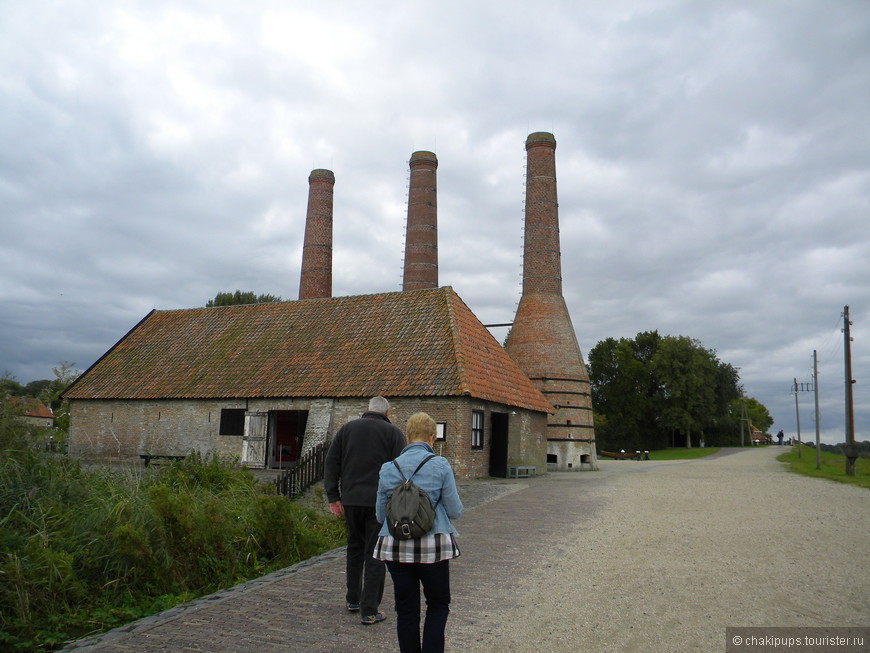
(797, 413)
(851, 448)
(816, 392)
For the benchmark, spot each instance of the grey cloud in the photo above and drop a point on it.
(712, 164)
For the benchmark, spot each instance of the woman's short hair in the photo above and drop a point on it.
(420, 427)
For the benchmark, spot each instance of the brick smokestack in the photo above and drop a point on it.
(542, 341)
(316, 278)
(421, 235)
(542, 265)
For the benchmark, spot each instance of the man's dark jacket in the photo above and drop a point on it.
(355, 457)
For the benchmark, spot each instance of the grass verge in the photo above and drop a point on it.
(833, 466)
(682, 453)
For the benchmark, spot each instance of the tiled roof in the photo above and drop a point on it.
(32, 407)
(425, 343)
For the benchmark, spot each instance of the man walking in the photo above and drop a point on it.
(353, 461)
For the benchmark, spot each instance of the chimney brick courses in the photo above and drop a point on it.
(315, 280)
(421, 234)
(542, 265)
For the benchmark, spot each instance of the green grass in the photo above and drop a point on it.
(682, 453)
(833, 466)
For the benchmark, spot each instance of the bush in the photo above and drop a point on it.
(83, 552)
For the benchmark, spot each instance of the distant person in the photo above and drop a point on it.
(424, 560)
(780, 436)
(355, 456)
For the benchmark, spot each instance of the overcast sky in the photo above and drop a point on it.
(713, 165)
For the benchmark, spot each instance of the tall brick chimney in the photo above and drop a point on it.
(316, 278)
(542, 341)
(421, 235)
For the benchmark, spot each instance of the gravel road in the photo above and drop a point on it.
(677, 551)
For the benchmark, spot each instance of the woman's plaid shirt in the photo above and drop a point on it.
(428, 549)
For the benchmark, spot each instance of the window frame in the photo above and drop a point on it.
(477, 422)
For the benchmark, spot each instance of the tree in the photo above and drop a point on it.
(9, 387)
(757, 414)
(624, 391)
(64, 375)
(37, 388)
(648, 389)
(239, 297)
(15, 433)
(686, 373)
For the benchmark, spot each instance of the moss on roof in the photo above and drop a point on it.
(424, 343)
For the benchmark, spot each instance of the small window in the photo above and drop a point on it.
(477, 429)
(441, 430)
(232, 421)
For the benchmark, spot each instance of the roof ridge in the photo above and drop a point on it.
(262, 305)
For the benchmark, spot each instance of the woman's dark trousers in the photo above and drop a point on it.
(407, 578)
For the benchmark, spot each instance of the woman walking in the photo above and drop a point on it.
(424, 560)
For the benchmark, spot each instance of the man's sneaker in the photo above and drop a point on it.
(370, 619)
(353, 607)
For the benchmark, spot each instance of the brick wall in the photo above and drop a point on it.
(119, 431)
(122, 430)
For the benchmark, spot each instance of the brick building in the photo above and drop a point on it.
(33, 411)
(267, 382)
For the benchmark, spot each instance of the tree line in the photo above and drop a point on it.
(840, 448)
(240, 297)
(652, 392)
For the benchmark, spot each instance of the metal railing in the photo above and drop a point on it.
(307, 471)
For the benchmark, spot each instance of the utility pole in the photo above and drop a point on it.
(797, 414)
(816, 392)
(851, 448)
(742, 419)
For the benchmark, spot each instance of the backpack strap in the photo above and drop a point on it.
(400, 470)
(425, 460)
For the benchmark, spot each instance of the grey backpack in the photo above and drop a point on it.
(410, 513)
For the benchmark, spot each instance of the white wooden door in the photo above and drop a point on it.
(254, 439)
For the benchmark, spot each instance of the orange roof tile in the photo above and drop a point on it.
(402, 344)
(32, 407)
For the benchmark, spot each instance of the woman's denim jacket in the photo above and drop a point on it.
(435, 478)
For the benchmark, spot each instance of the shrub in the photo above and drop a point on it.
(85, 551)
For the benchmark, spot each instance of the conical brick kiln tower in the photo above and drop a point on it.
(542, 340)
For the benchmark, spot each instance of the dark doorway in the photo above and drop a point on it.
(288, 434)
(498, 450)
